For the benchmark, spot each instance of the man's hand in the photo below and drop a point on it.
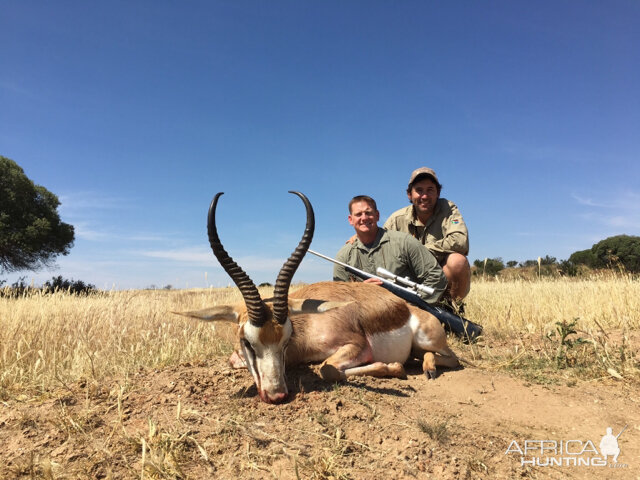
(352, 239)
(375, 281)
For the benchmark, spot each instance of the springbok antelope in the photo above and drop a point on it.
(352, 328)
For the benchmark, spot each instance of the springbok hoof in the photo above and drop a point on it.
(430, 374)
(331, 373)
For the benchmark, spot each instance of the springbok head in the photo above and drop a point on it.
(264, 326)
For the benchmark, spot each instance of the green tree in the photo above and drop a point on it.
(489, 266)
(585, 257)
(31, 233)
(529, 263)
(77, 287)
(621, 249)
(568, 268)
(547, 260)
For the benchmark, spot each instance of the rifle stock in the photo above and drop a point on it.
(458, 325)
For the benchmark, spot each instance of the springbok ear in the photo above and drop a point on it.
(223, 313)
(310, 305)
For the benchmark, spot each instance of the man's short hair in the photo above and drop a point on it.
(363, 198)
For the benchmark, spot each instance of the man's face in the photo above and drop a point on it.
(363, 218)
(423, 196)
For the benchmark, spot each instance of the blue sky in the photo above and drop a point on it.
(135, 113)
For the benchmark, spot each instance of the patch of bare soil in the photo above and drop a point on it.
(207, 421)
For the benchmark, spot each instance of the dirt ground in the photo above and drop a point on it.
(207, 421)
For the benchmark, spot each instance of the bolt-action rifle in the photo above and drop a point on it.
(408, 290)
(625, 427)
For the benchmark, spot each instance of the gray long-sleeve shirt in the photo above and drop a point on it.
(397, 252)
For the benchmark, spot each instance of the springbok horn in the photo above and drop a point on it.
(255, 306)
(281, 289)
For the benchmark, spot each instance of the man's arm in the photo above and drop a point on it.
(397, 221)
(426, 269)
(455, 236)
(339, 273)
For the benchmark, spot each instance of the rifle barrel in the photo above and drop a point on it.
(625, 427)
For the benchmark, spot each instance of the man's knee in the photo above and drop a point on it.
(457, 264)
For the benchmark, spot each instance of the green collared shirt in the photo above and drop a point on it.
(397, 252)
(445, 232)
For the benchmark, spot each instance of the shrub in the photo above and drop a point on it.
(585, 257)
(567, 268)
(488, 266)
(619, 250)
(77, 287)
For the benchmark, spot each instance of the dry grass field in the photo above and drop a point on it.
(115, 386)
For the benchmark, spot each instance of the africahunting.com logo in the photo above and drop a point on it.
(569, 453)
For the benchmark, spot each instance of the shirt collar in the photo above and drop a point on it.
(381, 238)
(413, 218)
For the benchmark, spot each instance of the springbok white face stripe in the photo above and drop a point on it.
(267, 361)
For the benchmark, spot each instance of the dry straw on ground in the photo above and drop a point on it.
(115, 386)
(49, 340)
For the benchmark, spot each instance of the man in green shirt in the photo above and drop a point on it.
(395, 251)
(438, 225)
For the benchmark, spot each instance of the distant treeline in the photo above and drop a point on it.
(621, 253)
(56, 284)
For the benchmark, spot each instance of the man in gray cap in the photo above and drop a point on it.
(437, 223)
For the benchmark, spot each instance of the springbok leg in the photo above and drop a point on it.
(378, 369)
(347, 356)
